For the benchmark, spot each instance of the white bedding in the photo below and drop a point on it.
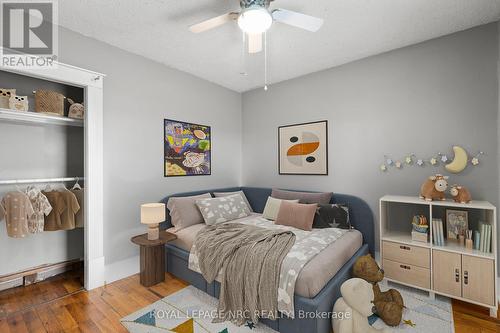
(307, 245)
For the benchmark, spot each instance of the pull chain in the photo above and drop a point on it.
(265, 61)
(243, 71)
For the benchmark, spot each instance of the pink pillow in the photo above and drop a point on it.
(300, 216)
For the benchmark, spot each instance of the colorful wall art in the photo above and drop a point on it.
(187, 149)
(303, 149)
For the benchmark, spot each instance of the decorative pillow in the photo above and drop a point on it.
(225, 194)
(223, 209)
(300, 216)
(272, 208)
(184, 212)
(303, 197)
(332, 216)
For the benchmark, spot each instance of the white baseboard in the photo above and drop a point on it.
(121, 269)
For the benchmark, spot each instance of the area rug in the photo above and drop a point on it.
(187, 311)
(422, 315)
(191, 310)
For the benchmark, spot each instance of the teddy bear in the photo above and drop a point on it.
(354, 307)
(434, 187)
(389, 304)
(460, 194)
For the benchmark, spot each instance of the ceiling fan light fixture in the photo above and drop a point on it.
(255, 20)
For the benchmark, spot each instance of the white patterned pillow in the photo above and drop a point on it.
(223, 209)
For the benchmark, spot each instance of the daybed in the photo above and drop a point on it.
(318, 305)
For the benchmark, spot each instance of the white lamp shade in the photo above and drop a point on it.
(152, 213)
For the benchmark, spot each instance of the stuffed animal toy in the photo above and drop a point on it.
(76, 110)
(460, 194)
(389, 304)
(355, 306)
(5, 95)
(434, 188)
(19, 103)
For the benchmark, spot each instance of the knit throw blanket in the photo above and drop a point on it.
(249, 259)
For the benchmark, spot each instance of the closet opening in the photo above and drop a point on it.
(42, 186)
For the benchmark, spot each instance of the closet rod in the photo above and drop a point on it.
(43, 180)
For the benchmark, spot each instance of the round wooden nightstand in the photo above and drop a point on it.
(153, 257)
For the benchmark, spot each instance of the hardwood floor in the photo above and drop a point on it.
(100, 310)
(21, 298)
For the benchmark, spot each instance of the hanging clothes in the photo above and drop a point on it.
(16, 208)
(53, 220)
(41, 208)
(71, 208)
(79, 194)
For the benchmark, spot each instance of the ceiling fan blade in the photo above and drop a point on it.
(298, 20)
(254, 43)
(214, 22)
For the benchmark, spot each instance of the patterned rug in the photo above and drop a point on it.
(190, 311)
(187, 311)
(422, 315)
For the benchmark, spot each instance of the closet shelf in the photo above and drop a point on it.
(33, 117)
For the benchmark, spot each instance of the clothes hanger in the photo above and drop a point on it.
(18, 189)
(48, 188)
(77, 185)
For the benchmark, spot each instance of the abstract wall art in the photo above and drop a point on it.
(187, 149)
(303, 149)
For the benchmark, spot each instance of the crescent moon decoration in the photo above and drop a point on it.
(460, 161)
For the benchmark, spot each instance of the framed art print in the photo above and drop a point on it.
(303, 149)
(187, 149)
(457, 223)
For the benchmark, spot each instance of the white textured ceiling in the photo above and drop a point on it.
(353, 29)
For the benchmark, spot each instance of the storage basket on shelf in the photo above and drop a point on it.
(50, 102)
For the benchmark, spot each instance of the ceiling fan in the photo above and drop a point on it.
(255, 19)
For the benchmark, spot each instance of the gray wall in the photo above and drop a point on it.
(423, 99)
(138, 95)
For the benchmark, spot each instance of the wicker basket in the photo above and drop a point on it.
(50, 102)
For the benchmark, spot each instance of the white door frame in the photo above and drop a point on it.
(92, 82)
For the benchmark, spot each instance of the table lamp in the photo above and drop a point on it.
(152, 214)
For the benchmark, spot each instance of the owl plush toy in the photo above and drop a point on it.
(19, 103)
(5, 95)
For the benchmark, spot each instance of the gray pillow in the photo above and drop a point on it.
(223, 209)
(225, 194)
(303, 197)
(184, 212)
(272, 208)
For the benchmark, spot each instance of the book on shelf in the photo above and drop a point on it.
(437, 232)
(485, 231)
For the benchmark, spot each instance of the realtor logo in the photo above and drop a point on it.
(29, 33)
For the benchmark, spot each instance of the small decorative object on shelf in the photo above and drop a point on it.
(460, 194)
(18, 103)
(76, 110)
(434, 187)
(468, 241)
(152, 214)
(420, 229)
(457, 223)
(49, 102)
(5, 95)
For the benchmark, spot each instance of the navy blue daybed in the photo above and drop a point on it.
(361, 218)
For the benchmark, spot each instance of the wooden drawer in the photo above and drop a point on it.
(410, 274)
(407, 254)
